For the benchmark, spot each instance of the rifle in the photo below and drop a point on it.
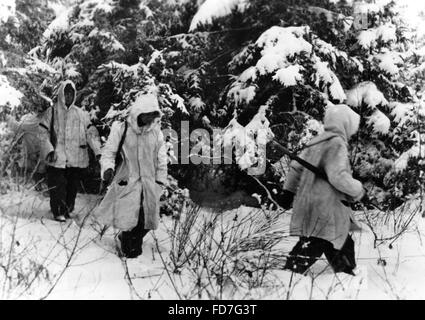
(318, 171)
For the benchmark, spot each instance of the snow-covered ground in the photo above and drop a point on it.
(96, 272)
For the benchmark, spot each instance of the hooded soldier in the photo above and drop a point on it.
(28, 128)
(66, 132)
(132, 201)
(320, 218)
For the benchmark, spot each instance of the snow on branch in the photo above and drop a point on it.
(289, 76)
(3, 60)
(388, 62)
(60, 23)
(416, 151)
(380, 122)
(402, 112)
(249, 141)
(89, 8)
(111, 41)
(279, 44)
(241, 94)
(326, 75)
(113, 65)
(291, 60)
(333, 55)
(9, 96)
(7, 10)
(365, 92)
(211, 9)
(369, 38)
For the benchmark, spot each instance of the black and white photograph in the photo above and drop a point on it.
(228, 150)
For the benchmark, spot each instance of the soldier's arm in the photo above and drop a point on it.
(162, 159)
(46, 146)
(92, 135)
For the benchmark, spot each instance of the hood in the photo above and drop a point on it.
(340, 120)
(61, 95)
(144, 103)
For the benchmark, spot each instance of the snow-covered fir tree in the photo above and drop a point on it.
(214, 61)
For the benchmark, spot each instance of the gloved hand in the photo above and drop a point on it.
(108, 175)
(285, 199)
(52, 157)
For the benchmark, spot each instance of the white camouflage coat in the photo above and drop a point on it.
(28, 127)
(144, 160)
(318, 210)
(74, 131)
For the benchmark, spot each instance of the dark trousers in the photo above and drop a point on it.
(63, 186)
(132, 241)
(309, 249)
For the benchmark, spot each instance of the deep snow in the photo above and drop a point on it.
(97, 273)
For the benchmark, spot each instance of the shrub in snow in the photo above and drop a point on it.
(225, 255)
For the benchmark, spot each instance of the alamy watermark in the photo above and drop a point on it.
(200, 146)
(361, 14)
